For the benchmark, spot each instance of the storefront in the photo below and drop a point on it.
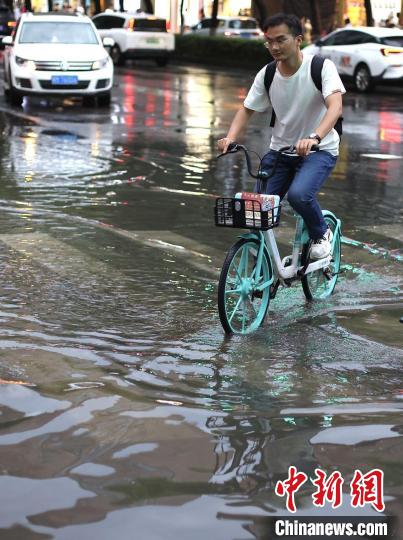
(194, 10)
(382, 10)
(355, 11)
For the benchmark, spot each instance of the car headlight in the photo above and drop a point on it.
(99, 64)
(23, 62)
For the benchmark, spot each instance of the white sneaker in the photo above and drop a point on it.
(323, 246)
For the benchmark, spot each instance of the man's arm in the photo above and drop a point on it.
(334, 107)
(237, 127)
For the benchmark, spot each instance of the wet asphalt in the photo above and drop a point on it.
(123, 406)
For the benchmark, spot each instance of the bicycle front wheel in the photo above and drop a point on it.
(244, 296)
(320, 284)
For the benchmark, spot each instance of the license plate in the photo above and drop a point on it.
(152, 40)
(64, 79)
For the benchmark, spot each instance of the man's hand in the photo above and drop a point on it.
(222, 144)
(303, 146)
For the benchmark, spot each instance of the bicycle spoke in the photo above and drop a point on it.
(251, 303)
(235, 310)
(245, 252)
(233, 291)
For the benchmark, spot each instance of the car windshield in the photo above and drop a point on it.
(57, 32)
(393, 41)
(153, 25)
(240, 24)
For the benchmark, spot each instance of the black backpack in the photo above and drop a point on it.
(316, 74)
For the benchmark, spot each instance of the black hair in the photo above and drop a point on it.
(292, 21)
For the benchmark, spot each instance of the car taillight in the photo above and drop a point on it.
(167, 26)
(387, 51)
(228, 33)
(11, 24)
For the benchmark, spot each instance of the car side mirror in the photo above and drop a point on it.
(108, 42)
(7, 40)
(319, 43)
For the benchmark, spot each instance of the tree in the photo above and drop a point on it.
(182, 17)
(97, 6)
(260, 7)
(214, 18)
(316, 20)
(368, 13)
(148, 6)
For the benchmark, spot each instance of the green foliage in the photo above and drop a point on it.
(221, 51)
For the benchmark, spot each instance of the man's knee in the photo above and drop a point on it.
(298, 198)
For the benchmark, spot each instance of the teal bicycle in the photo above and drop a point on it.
(253, 269)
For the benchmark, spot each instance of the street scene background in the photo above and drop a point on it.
(129, 410)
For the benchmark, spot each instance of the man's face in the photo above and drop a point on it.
(281, 43)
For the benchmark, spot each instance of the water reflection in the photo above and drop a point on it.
(139, 415)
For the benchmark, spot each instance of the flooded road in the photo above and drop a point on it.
(123, 407)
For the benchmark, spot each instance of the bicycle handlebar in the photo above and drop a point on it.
(290, 150)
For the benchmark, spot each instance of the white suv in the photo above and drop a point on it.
(367, 55)
(56, 55)
(136, 35)
(233, 27)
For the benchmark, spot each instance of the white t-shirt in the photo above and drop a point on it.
(298, 104)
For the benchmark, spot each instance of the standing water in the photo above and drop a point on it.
(124, 409)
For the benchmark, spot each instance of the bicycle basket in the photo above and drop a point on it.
(245, 214)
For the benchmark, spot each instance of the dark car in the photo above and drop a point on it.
(7, 21)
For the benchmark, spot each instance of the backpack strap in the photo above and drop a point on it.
(316, 71)
(316, 74)
(268, 79)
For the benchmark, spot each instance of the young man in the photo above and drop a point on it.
(304, 117)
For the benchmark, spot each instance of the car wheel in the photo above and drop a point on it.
(88, 101)
(362, 79)
(104, 100)
(15, 98)
(117, 57)
(161, 62)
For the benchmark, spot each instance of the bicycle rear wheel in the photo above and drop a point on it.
(241, 306)
(320, 284)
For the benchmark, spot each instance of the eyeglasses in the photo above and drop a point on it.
(280, 41)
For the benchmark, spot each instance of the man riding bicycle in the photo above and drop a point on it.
(303, 116)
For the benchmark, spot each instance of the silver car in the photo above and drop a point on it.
(235, 27)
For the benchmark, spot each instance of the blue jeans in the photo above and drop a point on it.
(301, 178)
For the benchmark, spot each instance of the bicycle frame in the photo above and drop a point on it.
(253, 269)
(294, 270)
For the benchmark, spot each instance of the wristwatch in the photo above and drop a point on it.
(315, 136)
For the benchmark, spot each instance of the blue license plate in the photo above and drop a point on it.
(64, 79)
